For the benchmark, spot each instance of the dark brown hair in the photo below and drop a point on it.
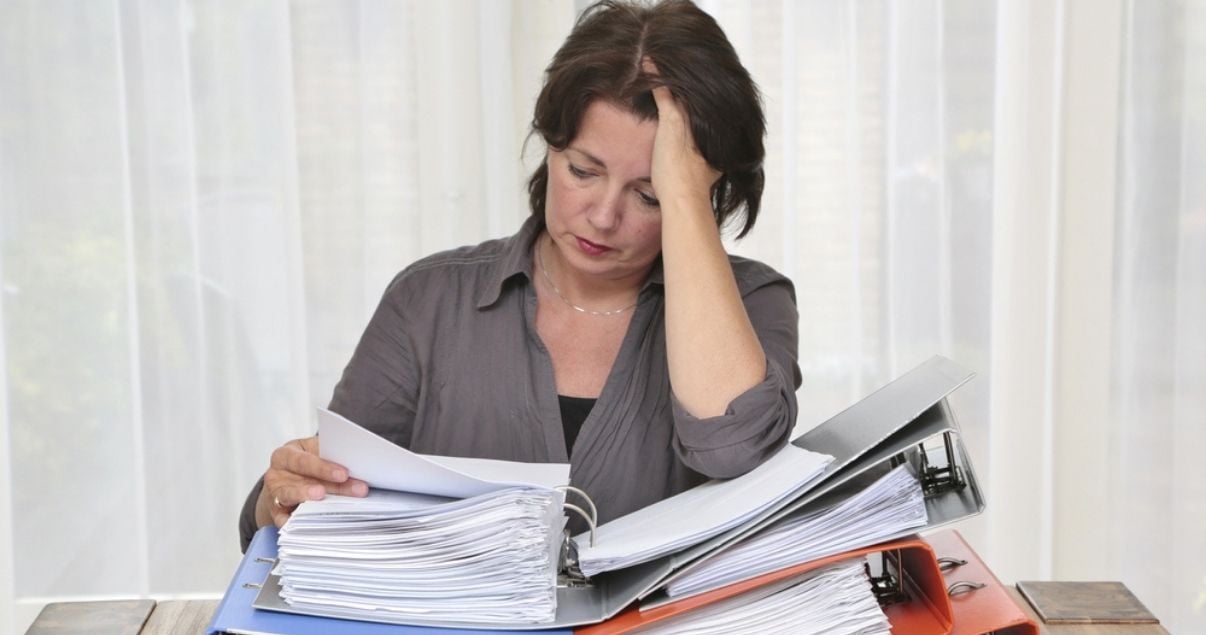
(601, 59)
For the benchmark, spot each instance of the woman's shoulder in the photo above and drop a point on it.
(469, 269)
(753, 274)
(460, 259)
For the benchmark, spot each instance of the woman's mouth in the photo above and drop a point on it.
(592, 249)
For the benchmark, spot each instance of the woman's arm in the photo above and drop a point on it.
(713, 351)
(758, 422)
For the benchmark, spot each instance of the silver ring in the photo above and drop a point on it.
(277, 501)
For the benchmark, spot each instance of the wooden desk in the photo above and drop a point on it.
(192, 616)
(125, 617)
(1084, 629)
(180, 616)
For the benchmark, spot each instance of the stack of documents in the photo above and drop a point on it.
(490, 559)
(698, 513)
(836, 600)
(438, 538)
(889, 507)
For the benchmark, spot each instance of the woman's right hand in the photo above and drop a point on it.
(296, 475)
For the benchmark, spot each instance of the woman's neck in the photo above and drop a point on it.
(585, 293)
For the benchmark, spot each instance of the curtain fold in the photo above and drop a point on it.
(201, 203)
(1158, 392)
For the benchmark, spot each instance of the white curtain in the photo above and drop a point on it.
(201, 202)
(1157, 392)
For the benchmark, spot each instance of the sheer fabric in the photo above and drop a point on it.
(201, 202)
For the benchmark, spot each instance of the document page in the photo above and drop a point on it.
(383, 464)
(698, 513)
(892, 505)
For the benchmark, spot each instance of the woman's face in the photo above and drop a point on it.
(600, 209)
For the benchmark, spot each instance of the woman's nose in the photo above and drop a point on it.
(607, 212)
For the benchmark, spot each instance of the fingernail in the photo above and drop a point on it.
(338, 476)
(317, 492)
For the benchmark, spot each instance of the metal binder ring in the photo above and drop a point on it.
(962, 587)
(592, 518)
(590, 521)
(594, 513)
(946, 564)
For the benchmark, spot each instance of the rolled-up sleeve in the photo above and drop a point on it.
(758, 422)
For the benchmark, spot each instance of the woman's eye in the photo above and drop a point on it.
(647, 199)
(578, 172)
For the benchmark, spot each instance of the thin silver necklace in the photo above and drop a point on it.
(553, 286)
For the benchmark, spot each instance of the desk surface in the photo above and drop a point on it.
(180, 616)
(192, 616)
(124, 617)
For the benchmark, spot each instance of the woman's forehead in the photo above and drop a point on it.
(610, 134)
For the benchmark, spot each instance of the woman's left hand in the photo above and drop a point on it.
(678, 170)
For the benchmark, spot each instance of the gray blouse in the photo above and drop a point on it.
(451, 364)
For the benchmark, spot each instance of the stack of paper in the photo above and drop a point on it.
(889, 507)
(836, 600)
(438, 538)
(698, 513)
(487, 559)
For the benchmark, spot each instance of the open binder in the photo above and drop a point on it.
(907, 421)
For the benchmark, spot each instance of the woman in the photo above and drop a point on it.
(613, 331)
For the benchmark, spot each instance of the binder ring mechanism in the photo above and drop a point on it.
(569, 574)
(935, 479)
(592, 518)
(888, 587)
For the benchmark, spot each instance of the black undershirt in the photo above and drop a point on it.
(574, 411)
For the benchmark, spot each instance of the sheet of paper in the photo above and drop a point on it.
(698, 513)
(383, 464)
(889, 507)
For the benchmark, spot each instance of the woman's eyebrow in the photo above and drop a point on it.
(599, 162)
(589, 157)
